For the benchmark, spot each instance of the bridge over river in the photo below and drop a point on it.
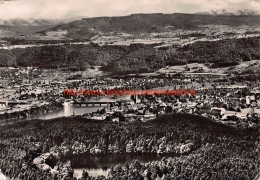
(93, 103)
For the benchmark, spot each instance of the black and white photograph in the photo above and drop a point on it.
(129, 89)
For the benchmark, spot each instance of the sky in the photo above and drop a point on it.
(65, 9)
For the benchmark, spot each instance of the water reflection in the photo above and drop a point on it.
(91, 172)
(66, 111)
(97, 165)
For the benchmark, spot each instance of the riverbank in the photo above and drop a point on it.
(32, 111)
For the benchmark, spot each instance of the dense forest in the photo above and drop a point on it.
(210, 150)
(136, 58)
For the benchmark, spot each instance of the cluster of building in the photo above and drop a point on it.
(235, 104)
(218, 100)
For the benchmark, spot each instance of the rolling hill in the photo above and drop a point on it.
(147, 23)
(136, 58)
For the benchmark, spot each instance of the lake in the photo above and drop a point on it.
(97, 165)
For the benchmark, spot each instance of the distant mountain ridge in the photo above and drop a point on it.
(147, 23)
(245, 12)
(36, 22)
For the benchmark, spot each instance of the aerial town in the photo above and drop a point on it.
(219, 99)
(129, 90)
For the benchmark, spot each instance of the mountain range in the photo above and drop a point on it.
(245, 12)
(82, 28)
(135, 58)
(148, 23)
(36, 22)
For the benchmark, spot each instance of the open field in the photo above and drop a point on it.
(194, 67)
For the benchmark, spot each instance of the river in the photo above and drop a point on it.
(95, 164)
(65, 111)
(68, 110)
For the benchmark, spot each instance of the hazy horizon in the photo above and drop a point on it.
(69, 9)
